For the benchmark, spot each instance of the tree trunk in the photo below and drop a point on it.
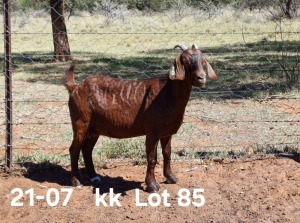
(290, 9)
(60, 38)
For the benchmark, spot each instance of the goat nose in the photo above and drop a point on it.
(201, 79)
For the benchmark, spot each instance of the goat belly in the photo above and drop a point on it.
(164, 129)
(121, 132)
(117, 126)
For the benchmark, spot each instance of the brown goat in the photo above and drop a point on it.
(129, 108)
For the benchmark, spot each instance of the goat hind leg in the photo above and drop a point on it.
(79, 134)
(166, 151)
(87, 151)
(74, 154)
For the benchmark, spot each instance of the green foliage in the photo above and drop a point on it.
(157, 5)
(24, 5)
(86, 5)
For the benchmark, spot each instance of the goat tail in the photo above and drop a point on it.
(69, 80)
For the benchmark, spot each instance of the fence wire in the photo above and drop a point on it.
(254, 106)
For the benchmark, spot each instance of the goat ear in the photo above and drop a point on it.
(211, 73)
(177, 71)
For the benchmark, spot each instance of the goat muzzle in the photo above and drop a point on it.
(199, 81)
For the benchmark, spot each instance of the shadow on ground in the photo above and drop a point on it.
(47, 172)
(53, 173)
(118, 184)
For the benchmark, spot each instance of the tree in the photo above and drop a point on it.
(289, 8)
(279, 8)
(60, 39)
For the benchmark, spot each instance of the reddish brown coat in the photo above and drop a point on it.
(129, 108)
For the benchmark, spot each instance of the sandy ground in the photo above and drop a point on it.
(259, 189)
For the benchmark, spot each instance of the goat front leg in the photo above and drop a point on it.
(166, 151)
(151, 150)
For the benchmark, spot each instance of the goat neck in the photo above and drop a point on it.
(180, 90)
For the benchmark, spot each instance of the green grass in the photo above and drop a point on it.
(133, 149)
(107, 148)
(39, 156)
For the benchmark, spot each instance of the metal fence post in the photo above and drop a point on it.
(8, 81)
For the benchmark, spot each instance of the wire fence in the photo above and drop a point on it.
(253, 107)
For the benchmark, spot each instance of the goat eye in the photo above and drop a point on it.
(184, 60)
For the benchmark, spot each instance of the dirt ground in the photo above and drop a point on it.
(257, 189)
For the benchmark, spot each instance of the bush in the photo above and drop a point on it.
(287, 8)
(24, 5)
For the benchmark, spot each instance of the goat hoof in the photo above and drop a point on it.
(152, 187)
(76, 182)
(171, 180)
(96, 181)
